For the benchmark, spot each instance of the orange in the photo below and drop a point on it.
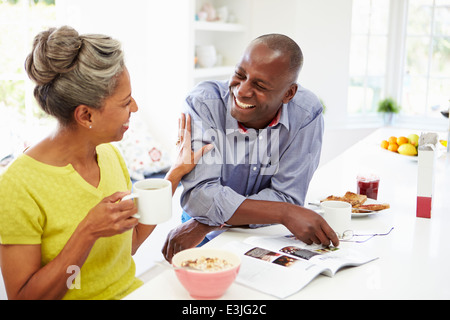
(393, 147)
(384, 144)
(402, 140)
(392, 139)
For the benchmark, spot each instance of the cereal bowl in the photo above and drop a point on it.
(206, 273)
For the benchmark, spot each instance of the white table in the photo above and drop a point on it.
(414, 260)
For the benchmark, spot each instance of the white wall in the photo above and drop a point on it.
(155, 38)
(270, 16)
(322, 29)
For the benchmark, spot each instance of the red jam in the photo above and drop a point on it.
(368, 186)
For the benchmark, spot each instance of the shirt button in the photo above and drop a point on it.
(260, 137)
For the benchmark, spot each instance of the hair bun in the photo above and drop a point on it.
(54, 52)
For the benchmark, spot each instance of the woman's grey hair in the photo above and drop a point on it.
(71, 69)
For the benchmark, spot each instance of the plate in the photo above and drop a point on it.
(354, 214)
(365, 214)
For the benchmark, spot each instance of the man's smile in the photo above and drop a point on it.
(243, 105)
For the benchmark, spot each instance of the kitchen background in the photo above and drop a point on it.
(357, 53)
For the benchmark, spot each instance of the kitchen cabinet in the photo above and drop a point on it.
(223, 25)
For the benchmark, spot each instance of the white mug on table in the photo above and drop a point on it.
(153, 198)
(338, 215)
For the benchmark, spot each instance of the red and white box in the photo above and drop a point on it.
(425, 176)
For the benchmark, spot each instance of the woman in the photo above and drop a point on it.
(60, 207)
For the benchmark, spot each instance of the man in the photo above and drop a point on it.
(267, 132)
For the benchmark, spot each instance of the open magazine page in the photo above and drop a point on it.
(329, 257)
(283, 265)
(272, 273)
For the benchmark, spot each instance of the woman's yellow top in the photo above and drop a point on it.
(43, 205)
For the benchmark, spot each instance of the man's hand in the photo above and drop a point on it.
(306, 225)
(185, 236)
(309, 227)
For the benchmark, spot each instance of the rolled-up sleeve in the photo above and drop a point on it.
(211, 203)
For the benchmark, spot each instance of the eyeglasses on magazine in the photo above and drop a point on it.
(350, 236)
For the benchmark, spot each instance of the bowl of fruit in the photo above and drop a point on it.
(406, 146)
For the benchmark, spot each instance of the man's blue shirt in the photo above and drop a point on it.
(274, 164)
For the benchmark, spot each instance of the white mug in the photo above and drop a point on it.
(153, 198)
(338, 215)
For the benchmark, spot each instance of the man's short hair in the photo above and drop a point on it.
(284, 44)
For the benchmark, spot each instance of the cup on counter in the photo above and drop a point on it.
(153, 198)
(337, 214)
(367, 184)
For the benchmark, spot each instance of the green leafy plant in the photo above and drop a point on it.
(388, 105)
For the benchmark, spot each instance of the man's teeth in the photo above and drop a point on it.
(243, 105)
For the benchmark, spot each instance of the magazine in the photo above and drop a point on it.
(283, 265)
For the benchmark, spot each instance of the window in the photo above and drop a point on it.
(20, 117)
(400, 49)
(426, 78)
(368, 55)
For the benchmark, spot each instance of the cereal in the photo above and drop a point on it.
(207, 264)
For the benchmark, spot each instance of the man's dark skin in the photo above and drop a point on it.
(263, 78)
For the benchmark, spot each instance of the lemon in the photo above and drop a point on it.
(413, 139)
(407, 149)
